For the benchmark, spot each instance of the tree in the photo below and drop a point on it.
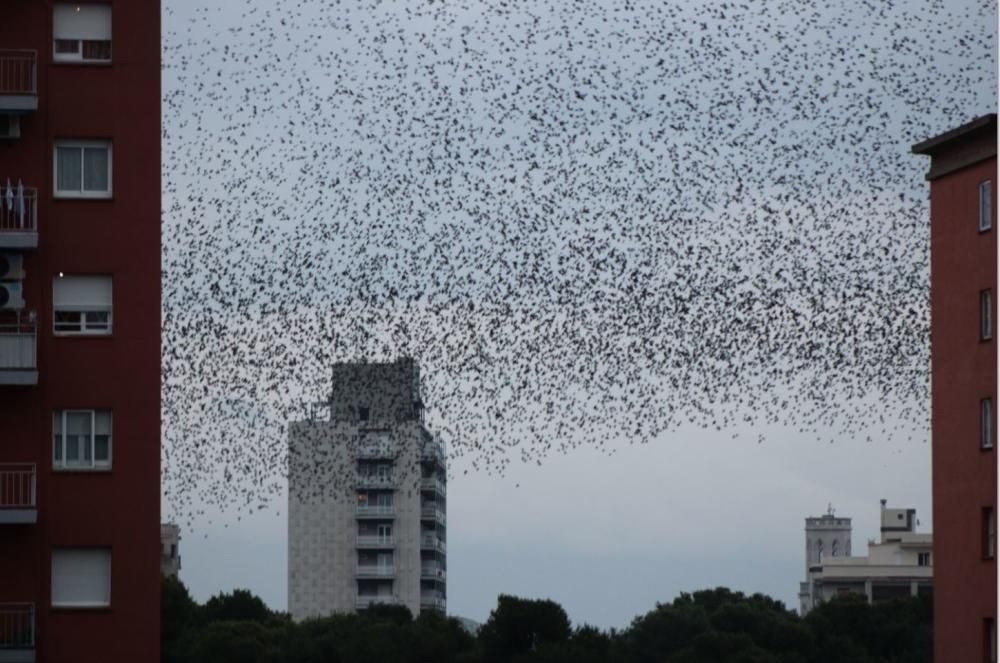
(518, 627)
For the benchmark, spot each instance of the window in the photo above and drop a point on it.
(989, 640)
(833, 548)
(986, 423)
(81, 32)
(923, 559)
(363, 414)
(985, 315)
(83, 169)
(81, 439)
(81, 577)
(81, 304)
(985, 206)
(819, 550)
(989, 533)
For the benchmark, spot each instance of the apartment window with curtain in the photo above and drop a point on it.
(986, 423)
(81, 33)
(81, 440)
(82, 305)
(81, 577)
(985, 315)
(985, 206)
(82, 169)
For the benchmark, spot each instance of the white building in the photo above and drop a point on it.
(366, 504)
(170, 557)
(898, 565)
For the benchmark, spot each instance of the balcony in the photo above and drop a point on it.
(432, 542)
(428, 511)
(373, 571)
(374, 511)
(18, 217)
(18, 81)
(432, 600)
(18, 343)
(432, 451)
(366, 601)
(432, 572)
(376, 481)
(433, 483)
(18, 494)
(17, 632)
(377, 450)
(375, 541)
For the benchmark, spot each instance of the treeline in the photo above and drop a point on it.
(711, 626)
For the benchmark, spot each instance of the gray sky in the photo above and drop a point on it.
(308, 113)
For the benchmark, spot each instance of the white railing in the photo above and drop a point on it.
(376, 571)
(433, 483)
(375, 481)
(18, 342)
(18, 213)
(18, 72)
(376, 541)
(17, 626)
(17, 486)
(367, 601)
(431, 511)
(432, 541)
(433, 600)
(376, 451)
(376, 510)
(432, 571)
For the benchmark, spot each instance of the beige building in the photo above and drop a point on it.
(170, 557)
(366, 505)
(898, 565)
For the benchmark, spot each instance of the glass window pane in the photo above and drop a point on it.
(57, 448)
(68, 320)
(97, 320)
(79, 423)
(69, 176)
(102, 422)
(95, 169)
(102, 448)
(72, 449)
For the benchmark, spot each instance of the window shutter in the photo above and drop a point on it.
(82, 293)
(81, 577)
(81, 21)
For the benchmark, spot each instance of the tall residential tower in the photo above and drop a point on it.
(79, 331)
(366, 503)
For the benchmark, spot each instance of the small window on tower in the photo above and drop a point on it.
(833, 548)
(363, 414)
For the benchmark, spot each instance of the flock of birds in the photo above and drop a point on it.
(588, 221)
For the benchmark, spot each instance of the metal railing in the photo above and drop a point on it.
(374, 571)
(376, 510)
(433, 483)
(375, 541)
(363, 601)
(18, 213)
(432, 511)
(432, 451)
(17, 486)
(18, 343)
(18, 72)
(17, 626)
(433, 542)
(433, 571)
(376, 451)
(375, 481)
(433, 600)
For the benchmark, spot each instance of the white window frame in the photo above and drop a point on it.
(98, 329)
(77, 57)
(985, 205)
(81, 145)
(986, 423)
(80, 604)
(95, 465)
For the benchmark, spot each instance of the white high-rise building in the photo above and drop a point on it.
(366, 504)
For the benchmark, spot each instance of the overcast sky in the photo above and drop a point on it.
(607, 531)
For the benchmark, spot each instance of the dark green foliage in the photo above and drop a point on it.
(711, 626)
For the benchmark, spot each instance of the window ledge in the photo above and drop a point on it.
(80, 608)
(81, 470)
(82, 335)
(69, 196)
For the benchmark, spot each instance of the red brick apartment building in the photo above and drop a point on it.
(79, 331)
(964, 389)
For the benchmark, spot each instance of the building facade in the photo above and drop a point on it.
(898, 565)
(963, 221)
(170, 553)
(79, 330)
(366, 504)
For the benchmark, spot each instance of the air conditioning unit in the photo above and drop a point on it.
(10, 296)
(10, 127)
(11, 266)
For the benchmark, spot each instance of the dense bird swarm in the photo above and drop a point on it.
(586, 220)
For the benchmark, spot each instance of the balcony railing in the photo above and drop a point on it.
(364, 602)
(432, 600)
(18, 493)
(377, 451)
(433, 571)
(432, 511)
(376, 481)
(18, 80)
(375, 541)
(374, 511)
(18, 344)
(433, 451)
(433, 483)
(373, 571)
(17, 631)
(18, 217)
(432, 542)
